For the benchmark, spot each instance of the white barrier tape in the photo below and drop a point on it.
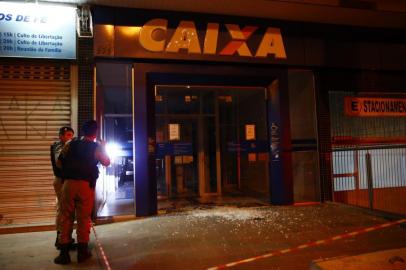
(105, 260)
(311, 244)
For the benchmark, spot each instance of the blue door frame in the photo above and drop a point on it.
(147, 75)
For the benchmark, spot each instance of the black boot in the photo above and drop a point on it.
(83, 252)
(72, 244)
(64, 257)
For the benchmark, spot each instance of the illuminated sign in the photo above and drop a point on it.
(155, 38)
(250, 132)
(174, 132)
(185, 37)
(37, 31)
(365, 106)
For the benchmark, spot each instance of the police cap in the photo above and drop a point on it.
(63, 130)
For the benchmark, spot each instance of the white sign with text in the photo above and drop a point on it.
(37, 31)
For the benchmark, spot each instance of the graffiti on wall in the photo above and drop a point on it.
(24, 117)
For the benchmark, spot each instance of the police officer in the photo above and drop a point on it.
(65, 134)
(78, 160)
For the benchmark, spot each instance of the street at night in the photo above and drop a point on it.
(203, 135)
(201, 236)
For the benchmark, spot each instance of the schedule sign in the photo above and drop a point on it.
(37, 31)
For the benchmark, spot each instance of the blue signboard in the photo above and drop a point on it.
(182, 149)
(37, 31)
(248, 146)
(174, 149)
(161, 150)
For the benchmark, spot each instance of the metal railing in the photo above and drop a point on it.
(371, 176)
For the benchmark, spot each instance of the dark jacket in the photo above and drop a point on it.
(79, 162)
(55, 150)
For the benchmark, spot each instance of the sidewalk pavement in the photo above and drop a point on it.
(202, 236)
(393, 259)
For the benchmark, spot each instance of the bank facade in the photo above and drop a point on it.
(196, 105)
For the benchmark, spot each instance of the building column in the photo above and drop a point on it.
(144, 146)
(281, 182)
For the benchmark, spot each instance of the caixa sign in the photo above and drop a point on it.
(186, 37)
(214, 41)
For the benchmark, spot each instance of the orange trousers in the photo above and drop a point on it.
(76, 196)
(58, 193)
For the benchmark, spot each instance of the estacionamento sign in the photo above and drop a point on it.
(372, 106)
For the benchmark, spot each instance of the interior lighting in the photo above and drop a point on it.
(113, 150)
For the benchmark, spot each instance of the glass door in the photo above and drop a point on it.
(176, 159)
(186, 163)
(115, 186)
(211, 140)
(243, 140)
(183, 159)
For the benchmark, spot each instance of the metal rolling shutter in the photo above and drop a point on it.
(35, 101)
